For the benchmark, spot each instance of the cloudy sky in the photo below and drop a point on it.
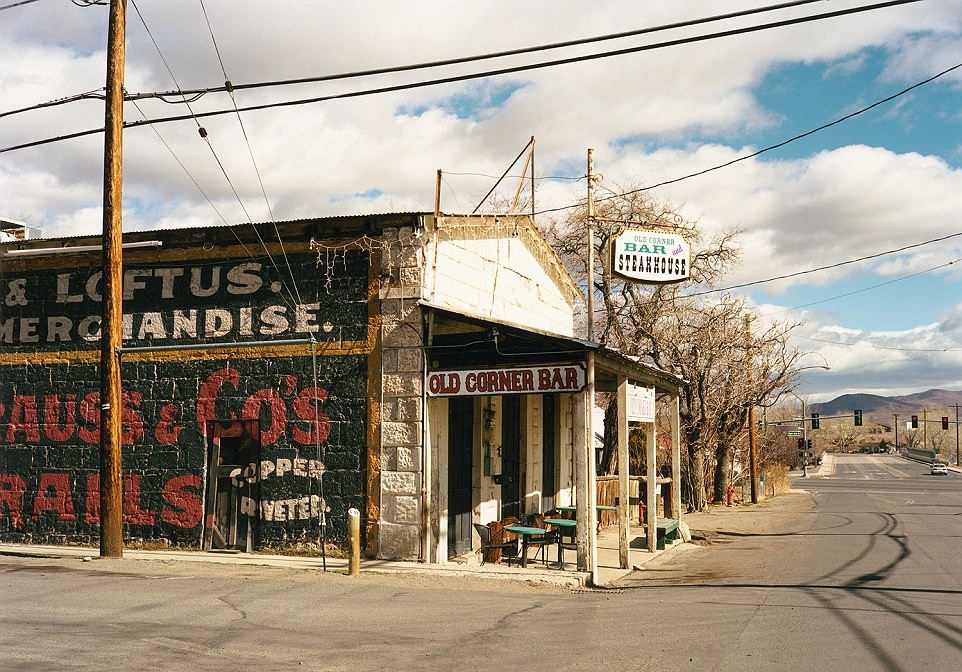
(885, 184)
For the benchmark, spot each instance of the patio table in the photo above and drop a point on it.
(598, 507)
(525, 532)
(561, 523)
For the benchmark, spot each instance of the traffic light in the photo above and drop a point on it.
(814, 420)
(915, 422)
(801, 444)
(945, 422)
(858, 418)
(808, 444)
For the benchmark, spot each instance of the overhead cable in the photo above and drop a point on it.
(864, 289)
(875, 347)
(495, 55)
(204, 135)
(480, 75)
(250, 151)
(16, 4)
(825, 268)
(440, 63)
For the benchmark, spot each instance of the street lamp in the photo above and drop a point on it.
(804, 436)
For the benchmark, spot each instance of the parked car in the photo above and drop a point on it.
(939, 469)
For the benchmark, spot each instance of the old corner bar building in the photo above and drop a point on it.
(422, 369)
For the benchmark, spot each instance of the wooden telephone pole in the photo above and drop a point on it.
(111, 482)
(752, 456)
(591, 245)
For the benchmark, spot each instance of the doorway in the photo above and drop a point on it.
(511, 456)
(460, 460)
(549, 453)
(232, 505)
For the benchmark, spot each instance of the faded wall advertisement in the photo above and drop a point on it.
(308, 424)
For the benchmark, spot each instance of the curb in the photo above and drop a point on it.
(567, 579)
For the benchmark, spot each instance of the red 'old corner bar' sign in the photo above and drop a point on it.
(527, 380)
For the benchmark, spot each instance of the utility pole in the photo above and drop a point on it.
(591, 245)
(752, 458)
(111, 482)
(956, 407)
(896, 431)
(925, 433)
(805, 439)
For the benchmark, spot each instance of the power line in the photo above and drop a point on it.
(181, 164)
(240, 121)
(250, 151)
(480, 75)
(502, 54)
(200, 129)
(778, 145)
(875, 347)
(545, 64)
(445, 62)
(203, 134)
(863, 289)
(825, 268)
(799, 136)
(16, 4)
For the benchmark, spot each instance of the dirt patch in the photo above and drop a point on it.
(714, 525)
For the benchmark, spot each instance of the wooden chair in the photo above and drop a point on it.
(566, 535)
(493, 544)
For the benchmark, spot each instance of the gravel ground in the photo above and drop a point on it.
(769, 514)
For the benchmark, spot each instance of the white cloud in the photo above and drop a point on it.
(381, 152)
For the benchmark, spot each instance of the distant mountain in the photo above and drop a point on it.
(879, 409)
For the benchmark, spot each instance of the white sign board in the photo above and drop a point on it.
(641, 404)
(651, 256)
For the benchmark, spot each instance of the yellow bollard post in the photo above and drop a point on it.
(354, 537)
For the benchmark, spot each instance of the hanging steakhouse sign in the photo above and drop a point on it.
(649, 256)
(526, 380)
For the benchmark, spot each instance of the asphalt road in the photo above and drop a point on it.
(867, 579)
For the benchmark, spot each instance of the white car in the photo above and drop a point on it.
(939, 469)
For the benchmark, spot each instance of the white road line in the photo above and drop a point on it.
(891, 470)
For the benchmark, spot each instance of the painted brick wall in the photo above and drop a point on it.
(49, 390)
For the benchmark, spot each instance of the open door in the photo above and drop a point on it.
(511, 456)
(549, 468)
(460, 459)
(232, 506)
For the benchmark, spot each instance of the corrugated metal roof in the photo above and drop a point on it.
(136, 233)
(611, 360)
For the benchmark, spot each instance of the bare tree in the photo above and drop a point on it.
(704, 340)
(938, 440)
(843, 436)
(912, 438)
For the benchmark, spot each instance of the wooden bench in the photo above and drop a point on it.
(666, 530)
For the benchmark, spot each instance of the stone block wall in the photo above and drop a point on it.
(402, 410)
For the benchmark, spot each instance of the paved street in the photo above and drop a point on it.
(868, 579)
(863, 574)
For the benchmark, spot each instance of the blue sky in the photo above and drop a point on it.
(806, 96)
(884, 180)
(927, 120)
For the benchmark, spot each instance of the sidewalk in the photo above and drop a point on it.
(720, 520)
(535, 572)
